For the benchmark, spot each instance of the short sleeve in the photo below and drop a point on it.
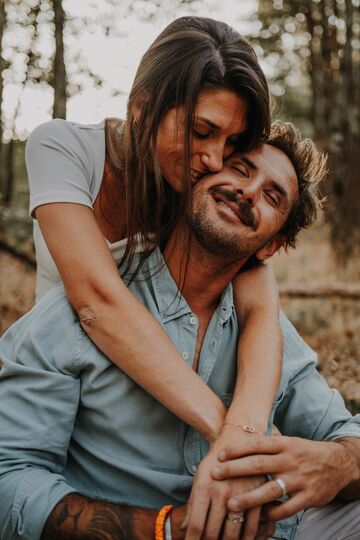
(61, 165)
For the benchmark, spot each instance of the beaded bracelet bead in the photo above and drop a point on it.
(160, 521)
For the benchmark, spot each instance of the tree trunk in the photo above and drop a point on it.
(9, 186)
(345, 158)
(59, 110)
(2, 27)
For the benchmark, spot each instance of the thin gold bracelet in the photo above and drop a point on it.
(248, 429)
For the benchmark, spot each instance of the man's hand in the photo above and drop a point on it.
(313, 472)
(207, 506)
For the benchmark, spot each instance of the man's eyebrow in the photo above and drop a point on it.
(248, 162)
(280, 189)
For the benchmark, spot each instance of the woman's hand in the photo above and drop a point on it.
(313, 473)
(207, 506)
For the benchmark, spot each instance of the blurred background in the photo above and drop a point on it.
(76, 60)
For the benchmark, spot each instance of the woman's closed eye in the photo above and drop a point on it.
(201, 134)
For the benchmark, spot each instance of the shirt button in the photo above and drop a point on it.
(185, 355)
(193, 320)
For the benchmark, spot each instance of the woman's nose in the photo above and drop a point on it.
(213, 159)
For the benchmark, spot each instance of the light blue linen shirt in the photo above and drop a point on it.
(72, 421)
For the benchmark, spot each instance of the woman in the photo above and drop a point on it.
(198, 95)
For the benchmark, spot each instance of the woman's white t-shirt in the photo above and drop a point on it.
(65, 163)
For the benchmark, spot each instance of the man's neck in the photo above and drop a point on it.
(205, 276)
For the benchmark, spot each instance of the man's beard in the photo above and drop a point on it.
(219, 242)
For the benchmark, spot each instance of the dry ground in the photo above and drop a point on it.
(331, 326)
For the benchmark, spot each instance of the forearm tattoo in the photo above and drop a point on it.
(78, 518)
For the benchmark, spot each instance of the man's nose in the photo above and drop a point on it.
(248, 192)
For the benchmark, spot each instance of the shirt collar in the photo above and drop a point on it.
(171, 304)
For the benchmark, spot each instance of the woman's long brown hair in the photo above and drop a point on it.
(191, 54)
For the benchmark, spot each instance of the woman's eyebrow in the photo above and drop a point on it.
(208, 122)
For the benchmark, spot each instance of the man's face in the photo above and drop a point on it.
(239, 211)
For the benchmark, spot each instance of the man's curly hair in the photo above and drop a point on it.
(310, 167)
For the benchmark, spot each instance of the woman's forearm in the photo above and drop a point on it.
(259, 369)
(131, 337)
(259, 348)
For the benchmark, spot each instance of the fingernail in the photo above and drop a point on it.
(184, 523)
(233, 504)
(216, 471)
(222, 455)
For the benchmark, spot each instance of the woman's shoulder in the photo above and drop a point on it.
(63, 134)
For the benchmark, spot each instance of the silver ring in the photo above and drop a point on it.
(280, 482)
(236, 517)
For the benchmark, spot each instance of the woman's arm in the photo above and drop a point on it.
(259, 348)
(118, 323)
(259, 367)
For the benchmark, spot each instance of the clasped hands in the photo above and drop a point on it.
(232, 480)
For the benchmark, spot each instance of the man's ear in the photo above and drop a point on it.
(138, 105)
(270, 248)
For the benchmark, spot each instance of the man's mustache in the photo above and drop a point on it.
(245, 209)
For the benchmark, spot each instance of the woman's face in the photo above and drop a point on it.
(220, 117)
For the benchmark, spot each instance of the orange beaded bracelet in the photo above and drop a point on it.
(160, 520)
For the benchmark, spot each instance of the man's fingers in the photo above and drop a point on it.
(251, 524)
(268, 492)
(255, 445)
(249, 466)
(286, 509)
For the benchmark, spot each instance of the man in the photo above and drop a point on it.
(80, 440)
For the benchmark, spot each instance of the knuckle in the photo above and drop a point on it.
(251, 531)
(211, 535)
(274, 490)
(258, 463)
(194, 528)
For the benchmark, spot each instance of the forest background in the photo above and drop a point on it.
(76, 60)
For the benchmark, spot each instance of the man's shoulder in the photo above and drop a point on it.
(297, 353)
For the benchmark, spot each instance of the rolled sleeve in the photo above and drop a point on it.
(312, 410)
(39, 400)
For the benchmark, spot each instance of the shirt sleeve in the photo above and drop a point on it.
(60, 165)
(39, 396)
(309, 408)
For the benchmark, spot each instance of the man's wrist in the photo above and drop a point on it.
(351, 450)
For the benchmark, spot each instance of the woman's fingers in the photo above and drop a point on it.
(251, 524)
(215, 522)
(196, 516)
(266, 530)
